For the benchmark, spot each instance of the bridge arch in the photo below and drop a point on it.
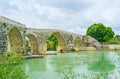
(15, 41)
(33, 43)
(77, 43)
(62, 47)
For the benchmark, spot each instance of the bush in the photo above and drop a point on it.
(113, 41)
(61, 50)
(72, 49)
(11, 66)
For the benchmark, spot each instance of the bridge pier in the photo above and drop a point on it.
(3, 39)
(70, 47)
(43, 48)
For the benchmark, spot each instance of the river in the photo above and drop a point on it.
(75, 65)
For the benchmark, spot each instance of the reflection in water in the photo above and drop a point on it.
(82, 65)
(102, 66)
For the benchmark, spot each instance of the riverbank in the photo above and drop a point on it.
(108, 47)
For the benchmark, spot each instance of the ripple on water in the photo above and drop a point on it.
(81, 65)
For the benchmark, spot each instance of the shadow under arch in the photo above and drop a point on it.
(62, 47)
(15, 41)
(77, 43)
(33, 42)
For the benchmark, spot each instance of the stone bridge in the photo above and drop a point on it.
(13, 38)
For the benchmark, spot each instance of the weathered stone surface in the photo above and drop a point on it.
(88, 48)
(13, 36)
(113, 47)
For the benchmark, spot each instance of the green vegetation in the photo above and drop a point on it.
(52, 43)
(11, 66)
(73, 49)
(28, 48)
(100, 32)
(115, 40)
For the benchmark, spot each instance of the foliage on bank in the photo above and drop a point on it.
(115, 40)
(100, 32)
(11, 66)
(52, 43)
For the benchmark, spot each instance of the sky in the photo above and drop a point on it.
(68, 15)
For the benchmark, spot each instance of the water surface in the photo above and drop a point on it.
(75, 65)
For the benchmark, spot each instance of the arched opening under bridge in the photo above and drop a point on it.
(55, 42)
(15, 41)
(32, 44)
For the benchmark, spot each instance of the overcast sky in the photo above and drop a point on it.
(69, 15)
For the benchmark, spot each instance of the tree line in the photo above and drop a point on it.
(103, 34)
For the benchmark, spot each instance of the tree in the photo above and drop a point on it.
(100, 32)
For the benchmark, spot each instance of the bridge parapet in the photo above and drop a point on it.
(9, 21)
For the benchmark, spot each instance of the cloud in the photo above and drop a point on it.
(69, 15)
